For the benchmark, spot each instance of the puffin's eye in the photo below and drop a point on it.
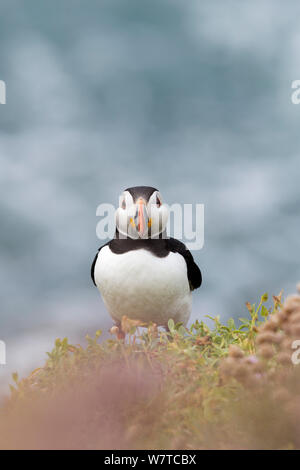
(158, 201)
(123, 204)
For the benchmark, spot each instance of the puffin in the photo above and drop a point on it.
(142, 273)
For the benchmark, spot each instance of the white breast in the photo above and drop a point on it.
(142, 286)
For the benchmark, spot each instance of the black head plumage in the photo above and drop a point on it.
(141, 191)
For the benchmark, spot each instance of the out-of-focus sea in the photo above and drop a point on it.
(191, 97)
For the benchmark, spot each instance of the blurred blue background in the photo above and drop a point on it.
(192, 97)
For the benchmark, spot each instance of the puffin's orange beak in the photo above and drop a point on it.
(141, 217)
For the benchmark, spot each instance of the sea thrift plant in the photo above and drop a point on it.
(225, 386)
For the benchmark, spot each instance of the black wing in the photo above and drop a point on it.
(94, 264)
(193, 272)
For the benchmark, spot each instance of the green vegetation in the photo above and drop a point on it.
(223, 386)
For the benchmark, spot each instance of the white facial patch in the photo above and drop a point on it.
(155, 220)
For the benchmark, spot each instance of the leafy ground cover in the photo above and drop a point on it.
(223, 386)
